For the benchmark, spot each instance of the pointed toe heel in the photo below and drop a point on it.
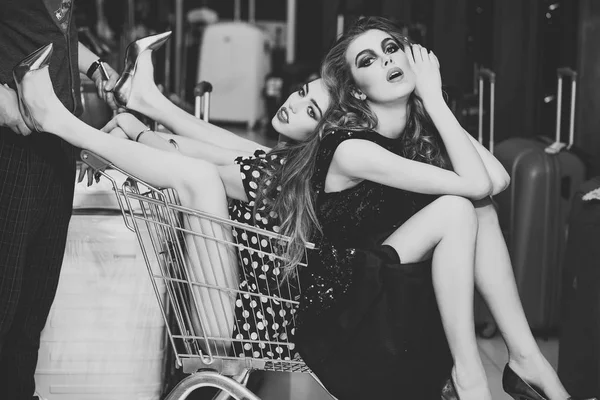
(122, 89)
(518, 389)
(37, 60)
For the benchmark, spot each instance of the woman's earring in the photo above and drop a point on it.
(358, 95)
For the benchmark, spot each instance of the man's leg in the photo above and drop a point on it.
(15, 227)
(44, 258)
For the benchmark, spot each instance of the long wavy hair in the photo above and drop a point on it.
(296, 203)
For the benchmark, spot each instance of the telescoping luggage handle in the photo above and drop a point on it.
(485, 73)
(557, 146)
(202, 103)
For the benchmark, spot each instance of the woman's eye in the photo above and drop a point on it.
(392, 48)
(365, 62)
(311, 113)
(301, 92)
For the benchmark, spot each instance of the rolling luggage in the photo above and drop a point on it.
(579, 345)
(533, 213)
(105, 336)
(235, 58)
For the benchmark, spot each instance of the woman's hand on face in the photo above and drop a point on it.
(130, 125)
(426, 68)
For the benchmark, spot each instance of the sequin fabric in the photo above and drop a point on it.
(355, 219)
(260, 321)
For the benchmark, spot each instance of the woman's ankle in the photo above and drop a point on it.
(471, 383)
(525, 357)
(470, 376)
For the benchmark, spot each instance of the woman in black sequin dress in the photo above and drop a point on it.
(363, 319)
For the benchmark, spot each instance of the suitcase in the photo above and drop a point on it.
(579, 345)
(105, 336)
(235, 58)
(533, 213)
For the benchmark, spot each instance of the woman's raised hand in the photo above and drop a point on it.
(426, 68)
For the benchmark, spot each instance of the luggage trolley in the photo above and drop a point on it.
(164, 229)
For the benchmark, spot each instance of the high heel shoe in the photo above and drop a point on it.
(122, 89)
(37, 60)
(518, 389)
(449, 391)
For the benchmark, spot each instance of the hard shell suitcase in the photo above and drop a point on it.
(579, 345)
(533, 213)
(234, 57)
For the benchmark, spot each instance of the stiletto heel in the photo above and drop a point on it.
(122, 89)
(449, 391)
(518, 389)
(37, 60)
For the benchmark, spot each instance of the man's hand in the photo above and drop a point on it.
(10, 116)
(105, 87)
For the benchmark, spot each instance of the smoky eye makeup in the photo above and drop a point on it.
(390, 45)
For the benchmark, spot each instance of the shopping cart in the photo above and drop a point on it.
(166, 232)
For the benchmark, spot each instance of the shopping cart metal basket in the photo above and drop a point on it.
(165, 230)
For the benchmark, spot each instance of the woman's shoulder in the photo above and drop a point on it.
(333, 138)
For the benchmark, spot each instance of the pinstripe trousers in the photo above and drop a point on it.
(37, 175)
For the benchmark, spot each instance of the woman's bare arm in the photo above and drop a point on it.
(180, 122)
(358, 159)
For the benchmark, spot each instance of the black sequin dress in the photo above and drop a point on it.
(368, 325)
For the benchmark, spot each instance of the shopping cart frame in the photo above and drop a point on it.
(161, 214)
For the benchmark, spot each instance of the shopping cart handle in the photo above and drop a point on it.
(96, 162)
(201, 88)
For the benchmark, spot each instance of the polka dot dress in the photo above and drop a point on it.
(264, 323)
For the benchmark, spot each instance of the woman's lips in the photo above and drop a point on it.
(283, 116)
(395, 74)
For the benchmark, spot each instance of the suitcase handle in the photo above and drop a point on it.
(482, 74)
(237, 10)
(202, 92)
(558, 145)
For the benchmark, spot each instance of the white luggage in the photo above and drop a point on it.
(235, 59)
(105, 337)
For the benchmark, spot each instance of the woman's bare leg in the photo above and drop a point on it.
(448, 227)
(196, 182)
(211, 263)
(146, 98)
(494, 278)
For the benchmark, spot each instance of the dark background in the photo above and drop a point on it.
(522, 41)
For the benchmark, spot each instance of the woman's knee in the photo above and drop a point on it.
(458, 210)
(201, 182)
(486, 212)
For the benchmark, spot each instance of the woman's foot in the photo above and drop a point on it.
(41, 109)
(471, 385)
(142, 88)
(537, 372)
(136, 82)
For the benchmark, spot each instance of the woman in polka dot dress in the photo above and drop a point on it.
(258, 319)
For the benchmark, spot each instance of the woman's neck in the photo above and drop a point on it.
(391, 117)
